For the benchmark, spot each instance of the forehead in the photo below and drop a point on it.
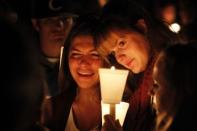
(110, 39)
(121, 33)
(52, 18)
(82, 42)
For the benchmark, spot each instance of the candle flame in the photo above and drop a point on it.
(113, 68)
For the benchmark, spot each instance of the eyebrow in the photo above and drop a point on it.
(75, 49)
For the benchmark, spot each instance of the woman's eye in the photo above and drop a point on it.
(121, 44)
(95, 55)
(75, 55)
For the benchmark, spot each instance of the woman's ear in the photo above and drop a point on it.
(35, 24)
(141, 24)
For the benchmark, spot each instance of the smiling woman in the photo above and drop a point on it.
(71, 109)
(84, 61)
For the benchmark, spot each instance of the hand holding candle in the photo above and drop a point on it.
(112, 87)
(120, 111)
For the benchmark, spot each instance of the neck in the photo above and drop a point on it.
(91, 95)
(87, 100)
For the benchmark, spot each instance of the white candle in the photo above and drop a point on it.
(112, 84)
(120, 111)
(61, 56)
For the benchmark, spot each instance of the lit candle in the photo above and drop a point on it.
(112, 84)
(120, 111)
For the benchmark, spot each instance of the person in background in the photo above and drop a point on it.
(102, 2)
(166, 11)
(187, 11)
(8, 12)
(188, 19)
(134, 38)
(22, 82)
(72, 109)
(174, 90)
(52, 20)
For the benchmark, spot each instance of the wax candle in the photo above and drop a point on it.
(112, 83)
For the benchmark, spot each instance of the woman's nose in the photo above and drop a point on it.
(85, 60)
(119, 54)
(120, 57)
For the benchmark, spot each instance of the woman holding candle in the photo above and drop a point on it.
(79, 106)
(174, 89)
(134, 39)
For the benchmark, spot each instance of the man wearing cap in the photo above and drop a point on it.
(52, 20)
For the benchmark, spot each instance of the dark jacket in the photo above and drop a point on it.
(51, 72)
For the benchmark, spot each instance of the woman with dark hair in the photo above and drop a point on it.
(79, 106)
(174, 89)
(133, 38)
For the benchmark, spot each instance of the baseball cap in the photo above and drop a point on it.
(51, 8)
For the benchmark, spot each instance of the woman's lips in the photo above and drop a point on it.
(129, 62)
(85, 73)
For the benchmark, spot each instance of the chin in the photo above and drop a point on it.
(86, 85)
(135, 71)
